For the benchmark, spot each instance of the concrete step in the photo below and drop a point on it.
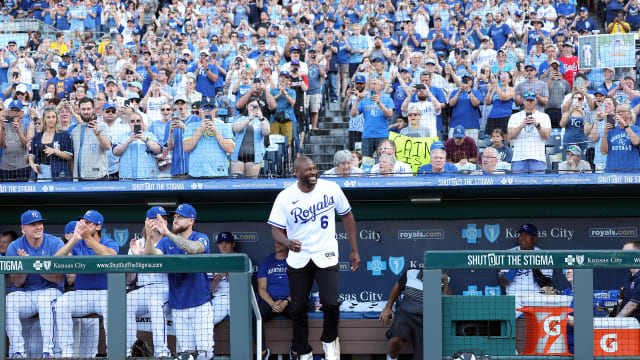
(333, 125)
(328, 140)
(323, 149)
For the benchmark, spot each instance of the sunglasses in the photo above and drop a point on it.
(166, 109)
(110, 111)
(414, 114)
(20, 93)
(195, 112)
(208, 107)
(135, 100)
(135, 121)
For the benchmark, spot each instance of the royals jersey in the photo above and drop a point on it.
(308, 218)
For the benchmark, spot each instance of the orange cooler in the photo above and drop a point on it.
(616, 337)
(546, 320)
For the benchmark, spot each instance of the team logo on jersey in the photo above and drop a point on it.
(304, 216)
(396, 264)
(121, 236)
(492, 232)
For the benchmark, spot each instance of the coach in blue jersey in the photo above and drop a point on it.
(189, 293)
(90, 295)
(34, 292)
(305, 211)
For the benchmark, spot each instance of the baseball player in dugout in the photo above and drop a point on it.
(33, 293)
(189, 293)
(305, 211)
(90, 295)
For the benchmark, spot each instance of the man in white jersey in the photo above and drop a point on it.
(151, 296)
(305, 211)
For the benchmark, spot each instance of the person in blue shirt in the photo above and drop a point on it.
(146, 71)
(465, 104)
(189, 293)
(622, 141)
(409, 37)
(376, 112)
(137, 149)
(439, 164)
(174, 134)
(90, 295)
(206, 75)
(499, 32)
(33, 293)
(439, 37)
(585, 23)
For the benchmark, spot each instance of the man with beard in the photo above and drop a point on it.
(115, 129)
(189, 293)
(313, 251)
(260, 92)
(356, 123)
(90, 295)
(174, 134)
(428, 105)
(532, 84)
(376, 112)
(90, 145)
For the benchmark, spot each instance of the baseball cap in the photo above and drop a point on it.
(93, 216)
(186, 210)
(467, 76)
(538, 41)
(574, 149)
(15, 104)
(262, 40)
(133, 96)
(533, 66)
(21, 88)
(224, 236)
(518, 13)
(136, 84)
(31, 216)
(436, 145)
(583, 9)
(205, 52)
(529, 95)
(294, 48)
(484, 38)
(78, 78)
(65, 55)
(272, 34)
(601, 92)
(360, 79)
(458, 131)
(378, 59)
(404, 70)
(180, 98)
(108, 105)
(536, 21)
(111, 81)
(63, 64)
(284, 73)
(528, 229)
(183, 60)
(70, 227)
(208, 101)
(155, 211)
(555, 62)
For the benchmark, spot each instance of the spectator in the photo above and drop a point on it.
(532, 84)
(528, 131)
(439, 164)
(573, 121)
(523, 282)
(427, 104)
(398, 168)
(51, 150)
(497, 142)
(465, 108)
(175, 133)
(376, 112)
(115, 129)
(461, 150)
(13, 142)
(606, 107)
(489, 163)
(570, 62)
(558, 89)
(261, 93)
(90, 145)
(622, 140)
(342, 165)
(501, 95)
(285, 97)
(574, 164)
(584, 23)
(250, 132)
(90, 295)
(136, 150)
(7, 237)
(414, 128)
(618, 25)
(299, 82)
(385, 165)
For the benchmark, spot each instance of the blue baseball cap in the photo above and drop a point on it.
(93, 216)
(31, 216)
(15, 104)
(531, 66)
(186, 210)
(378, 59)
(136, 84)
(111, 81)
(583, 9)
(225, 236)
(70, 227)
(458, 131)
(528, 229)
(208, 101)
(78, 78)
(404, 70)
(529, 95)
(518, 13)
(284, 73)
(294, 48)
(108, 105)
(272, 34)
(63, 64)
(436, 145)
(155, 211)
(360, 79)
(601, 92)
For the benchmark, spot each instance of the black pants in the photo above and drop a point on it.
(300, 283)
(554, 115)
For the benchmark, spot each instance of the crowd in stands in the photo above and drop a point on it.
(172, 89)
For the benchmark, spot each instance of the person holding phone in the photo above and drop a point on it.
(528, 130)
(136, 150)
(249, 148)
(573, 122)
(622, 140)
(13, 141)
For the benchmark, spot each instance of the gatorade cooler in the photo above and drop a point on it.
(546, 321)
(616, 337)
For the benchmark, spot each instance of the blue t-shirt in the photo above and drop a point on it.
(574, 132)
(376, 125)
(208, 159)
(425, 170)
(464, 113)
(282, 104)
(92, 281)
(179, 158)
(398, 97)
(186, 290)
(438, 45)
(499, 35)
(404, 38)
(357, 42)
(204, 85)
(275, 271)
(500, 108)
(315, 86)
(50, 245)
(146, 78)
(622, 155)
(343, 54)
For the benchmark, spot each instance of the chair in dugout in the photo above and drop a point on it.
(276, 157)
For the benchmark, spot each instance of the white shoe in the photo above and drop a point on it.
(308, 356)
(331, 350)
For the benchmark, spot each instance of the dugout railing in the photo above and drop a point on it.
(582, 263)
(237, 265)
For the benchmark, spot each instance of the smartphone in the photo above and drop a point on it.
(482, 71)
(67, 96)
(611, 119)
(208, 118)
(579, 82)
(575, 102)
(420, 87)
(372, 92)
(137, 129)
(127, 102)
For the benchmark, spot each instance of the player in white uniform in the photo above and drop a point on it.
(34, 293)
(152, 295)
(305, 210)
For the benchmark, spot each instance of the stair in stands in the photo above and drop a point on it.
(333, 135)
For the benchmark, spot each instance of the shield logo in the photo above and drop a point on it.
(47, 264)
(492, 232)
(396, 264)
(121, 236)
(580, 259)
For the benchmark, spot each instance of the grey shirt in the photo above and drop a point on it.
(537, 85)
(558, 89)
(13, 155)
(90, 158)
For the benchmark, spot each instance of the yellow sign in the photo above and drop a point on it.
(412, 150)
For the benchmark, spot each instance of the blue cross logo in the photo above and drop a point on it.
(376, 265)
(471, 233)
(472, 290)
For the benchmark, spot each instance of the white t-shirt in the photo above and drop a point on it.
(308, 218)
(529, 145)
(399, 169)
(150, 278)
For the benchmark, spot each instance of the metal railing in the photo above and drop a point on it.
(237, 265)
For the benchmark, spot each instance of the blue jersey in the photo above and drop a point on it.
(50, 245)
(146, 77)
(186, 290)
(179, 158)
(622, 155)
(208, 158)
(376, 125)
(204, 85)
(275, 271)
(92, 281)
(425, 170)
(464, 113)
